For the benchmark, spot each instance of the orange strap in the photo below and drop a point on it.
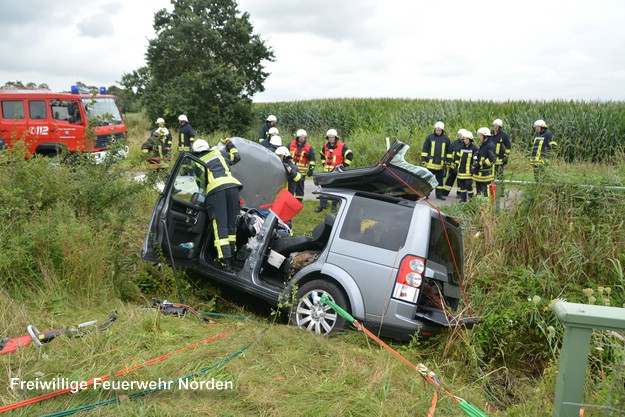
(49, 395)
(433, 407)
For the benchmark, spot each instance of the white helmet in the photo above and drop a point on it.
(275, 140)
(461, 132)
(540, 123)
(272, 118)
(301, 133)
(467, 135)
(183, 118)
(273, 131)
(282, 150)
(497, 122)
(484, 131)
(332, 132)
(200, 145)
(439, 125)
(160, 120)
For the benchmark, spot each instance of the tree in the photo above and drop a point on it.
(205, 62)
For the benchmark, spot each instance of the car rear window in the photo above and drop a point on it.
(378, 223)
(439, 248)
(13, 109)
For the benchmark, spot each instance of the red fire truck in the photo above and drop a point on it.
(50, 122)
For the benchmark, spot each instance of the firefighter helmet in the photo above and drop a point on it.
(160, 120)
(332, 132)
(275, 140)
(272, 118)
(439, 125)
(484, 131)
(183, 118)
(301, 133)
(497, 122)
(540, 123)
(200, 145)
(461, 132)
(467, 135)
(282, 151)
(273, 131)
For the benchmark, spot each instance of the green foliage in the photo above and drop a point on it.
(69, 250)
(205, 62)
(71, 227)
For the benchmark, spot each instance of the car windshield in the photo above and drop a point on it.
(102, 111)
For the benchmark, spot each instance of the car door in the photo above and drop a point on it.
(177, 230)
(369, 246)
(68, 125)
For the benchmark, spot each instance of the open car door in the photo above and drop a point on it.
(177, 228)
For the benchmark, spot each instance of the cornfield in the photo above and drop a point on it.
(585, 131)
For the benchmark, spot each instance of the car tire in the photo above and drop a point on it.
(315, 316)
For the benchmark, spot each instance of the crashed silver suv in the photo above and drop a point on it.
(391, 262)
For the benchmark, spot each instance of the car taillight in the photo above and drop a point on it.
(409, 279)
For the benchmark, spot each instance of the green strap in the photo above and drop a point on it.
(326, 300)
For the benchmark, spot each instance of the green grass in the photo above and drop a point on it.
(70, 242)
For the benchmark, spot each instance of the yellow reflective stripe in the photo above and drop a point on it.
(538, 142)
(217, 182)
(297, 177)
(218, 245)
(232, 238)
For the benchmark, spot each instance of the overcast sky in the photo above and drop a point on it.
(480, 49)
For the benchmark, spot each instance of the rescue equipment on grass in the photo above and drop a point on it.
(10, 345)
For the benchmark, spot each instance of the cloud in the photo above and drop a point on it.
(97, 25)
(486, 49)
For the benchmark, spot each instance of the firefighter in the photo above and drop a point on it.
(502, 147)
(544, 143)
(436, 156)
(270, 144)
(483, 163)
(293, 173)
(269, 123)
(222, 197)
(186, 136)
(452, 173)
(463, 158)
(304, 158)
(334, 155)
(154, 150)
(169, 141)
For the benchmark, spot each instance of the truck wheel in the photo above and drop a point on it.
(310, 314)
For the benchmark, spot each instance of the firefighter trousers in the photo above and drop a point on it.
(223, 209)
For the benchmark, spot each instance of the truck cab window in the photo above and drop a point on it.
(37, 109)
(67, 111)
(13, 109)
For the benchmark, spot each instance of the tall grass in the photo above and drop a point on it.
(590, 131)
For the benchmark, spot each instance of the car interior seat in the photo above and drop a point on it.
(321, 232)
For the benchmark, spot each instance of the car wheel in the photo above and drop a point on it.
(310, 314)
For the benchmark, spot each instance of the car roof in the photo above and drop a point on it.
(391, 176)
(260, 171)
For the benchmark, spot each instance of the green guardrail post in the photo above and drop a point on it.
(579, 320)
